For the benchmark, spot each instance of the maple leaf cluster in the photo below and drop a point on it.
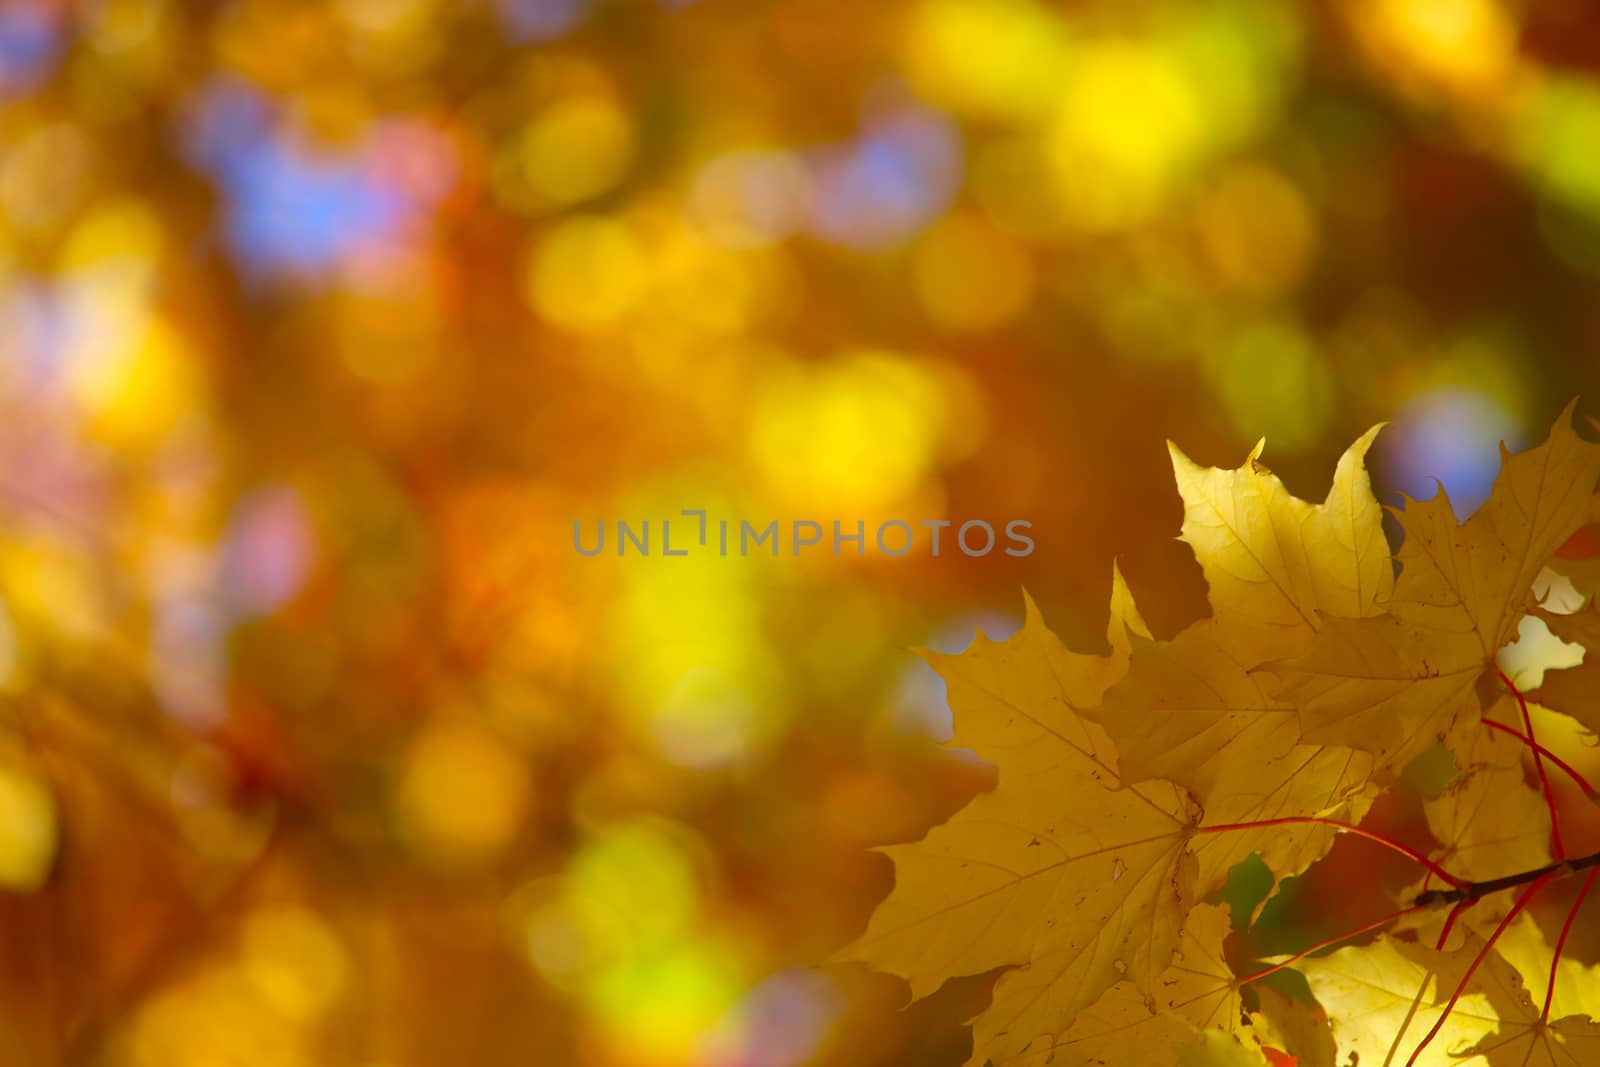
(1130, 784)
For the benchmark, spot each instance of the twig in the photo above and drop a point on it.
(1476, 890)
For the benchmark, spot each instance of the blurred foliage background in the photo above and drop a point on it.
(321, 321)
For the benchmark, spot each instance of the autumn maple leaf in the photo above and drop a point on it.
(1395, 683)
(1129, 784)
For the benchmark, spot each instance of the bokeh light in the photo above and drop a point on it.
(322, 324)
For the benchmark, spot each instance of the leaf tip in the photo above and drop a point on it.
(1031, 616)
(1181, 463)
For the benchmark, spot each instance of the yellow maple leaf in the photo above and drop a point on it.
(1128, 784)
(1194, 715)
(1524, 1036)
(1273, 561)
(1395, 683)
(1197, 993)
(1384, 996)
(1488, 820)
(1191, 711)
(1059, 873)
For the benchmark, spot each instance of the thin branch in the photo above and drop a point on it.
(1516, 908)
(1540, 750)
(1538, 765)
(1561, 942)
(1475, 890)
(1463, 896)
(1387, 842)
